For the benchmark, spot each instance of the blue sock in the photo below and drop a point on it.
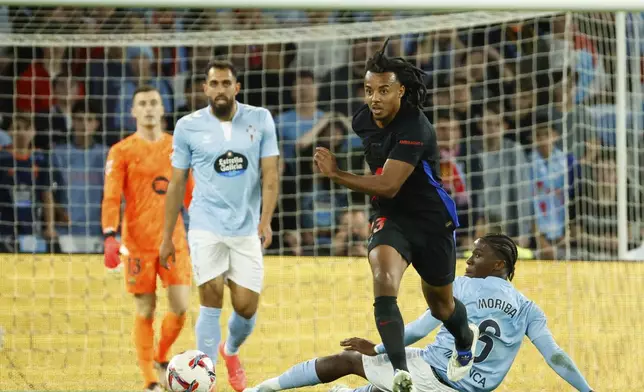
(301, 375)
(208, 331)
(239, 329)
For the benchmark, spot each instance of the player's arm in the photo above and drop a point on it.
(387, 184)
(403, 158)
(269, 155)
(174, 198)
(115, 169)
(176, 193)
(555, 356)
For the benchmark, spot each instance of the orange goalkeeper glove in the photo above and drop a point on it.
(111, 248)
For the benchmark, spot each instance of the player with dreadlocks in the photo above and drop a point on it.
(414, 219)
(503, 315)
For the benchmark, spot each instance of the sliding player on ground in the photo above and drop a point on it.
(414, 218)
(138, 169)
(503, 315)
(232, 151)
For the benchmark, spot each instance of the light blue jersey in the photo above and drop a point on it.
(225, 161)
(504, 317)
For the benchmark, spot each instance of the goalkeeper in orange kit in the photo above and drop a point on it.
(138, 169)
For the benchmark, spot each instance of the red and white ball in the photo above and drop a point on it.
(190, 371)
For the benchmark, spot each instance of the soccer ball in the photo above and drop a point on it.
(190, 371)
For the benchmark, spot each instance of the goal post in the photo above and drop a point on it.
(456, 5)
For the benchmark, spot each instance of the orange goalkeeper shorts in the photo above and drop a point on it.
(141, 270)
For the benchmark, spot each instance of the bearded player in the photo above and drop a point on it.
(232, 151)
(138, 170)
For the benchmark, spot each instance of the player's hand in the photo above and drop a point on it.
(325, 161)
(265, 233)
(363, 346)
(111, 249)
(166, 253)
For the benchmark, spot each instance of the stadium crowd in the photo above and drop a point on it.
(524, 116)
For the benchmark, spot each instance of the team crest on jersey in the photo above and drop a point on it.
(252, 132)
(160, 185)
(231, 164)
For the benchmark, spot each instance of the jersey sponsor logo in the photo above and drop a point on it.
(231, 164)
(160, 185)
(411, 142)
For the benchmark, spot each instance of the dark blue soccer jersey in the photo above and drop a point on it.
(22, 183)
(410, 138)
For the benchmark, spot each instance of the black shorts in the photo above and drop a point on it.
(433, 255)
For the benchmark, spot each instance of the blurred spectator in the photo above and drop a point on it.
(351, 236)
(505, 172)
(459, 167)
(53, 127)
(293, 124)
(140, 62)
(569, 48)
(194, 96)
(580, 133)
(172, 60)
(82, 163)
(26, 200)
(596, 207)
(269, 84)
(34, 85)
(453, 93)
(522, 105)
(322, 204)
(342, 90)
(553, 179)
(320, 56)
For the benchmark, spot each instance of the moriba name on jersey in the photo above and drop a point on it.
(231, 164)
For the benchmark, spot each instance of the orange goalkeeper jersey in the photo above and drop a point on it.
(139, 170)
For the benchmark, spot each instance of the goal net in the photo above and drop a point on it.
(524, 107)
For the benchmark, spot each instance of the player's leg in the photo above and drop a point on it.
(315, 371)
(140, 277)
(389, 252)
(245, 280)
(176, 280)
(436, 265)
(210, 261)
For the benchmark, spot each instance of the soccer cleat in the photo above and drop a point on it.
(162, 368)
(236, 373)
(340, 388)
(402, 382)
(461, 362)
